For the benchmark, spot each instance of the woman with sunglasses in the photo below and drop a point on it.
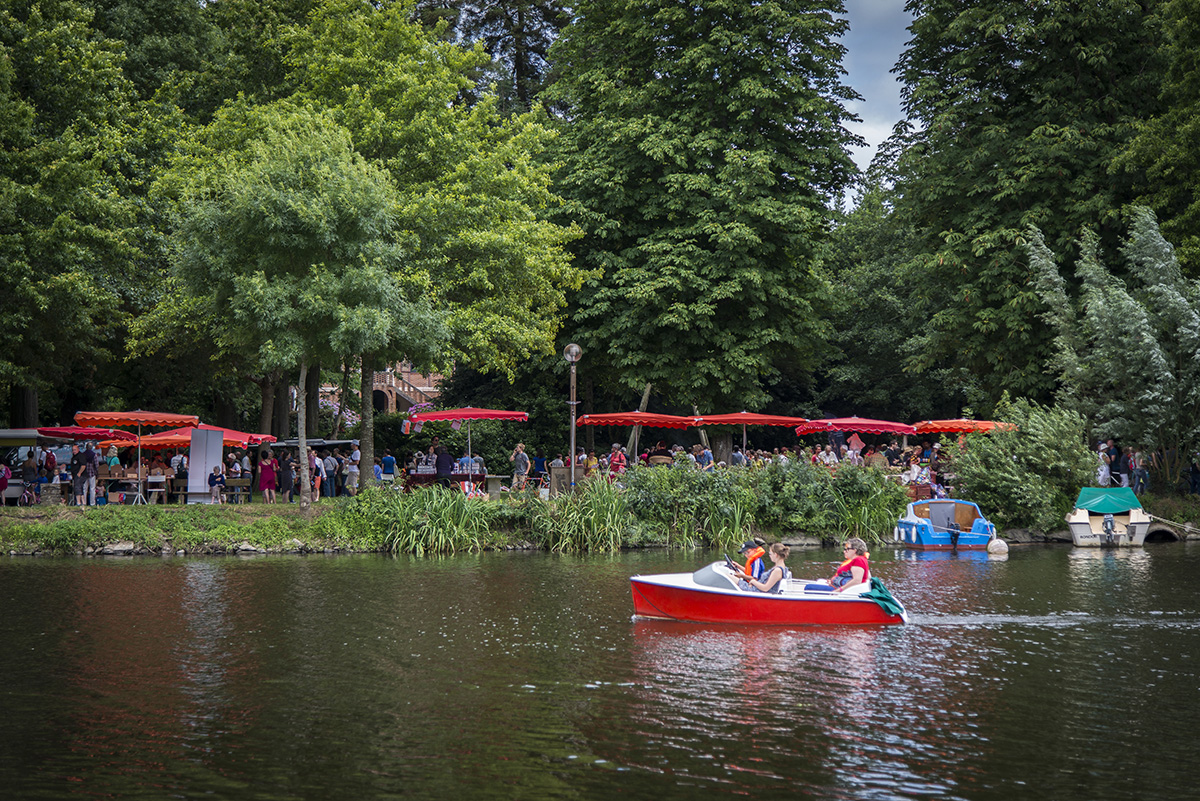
(854, 570)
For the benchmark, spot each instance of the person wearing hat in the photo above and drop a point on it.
(753, 551)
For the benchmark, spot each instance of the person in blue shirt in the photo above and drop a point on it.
(387, 466)
(465, 463)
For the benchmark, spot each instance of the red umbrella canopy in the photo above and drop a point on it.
(749, 419)
(860, 424)
(182, 438)
(959, 426)
(136, 418)
(647, 419)
(468, 413)
(83, 432)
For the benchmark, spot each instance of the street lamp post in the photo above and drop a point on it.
(572, 353)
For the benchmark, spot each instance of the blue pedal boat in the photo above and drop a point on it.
(944, 524)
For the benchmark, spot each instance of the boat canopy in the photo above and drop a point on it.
(1107, 501)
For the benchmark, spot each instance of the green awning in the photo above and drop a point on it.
(1107, 501)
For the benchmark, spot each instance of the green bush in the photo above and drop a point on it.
(1031, 475)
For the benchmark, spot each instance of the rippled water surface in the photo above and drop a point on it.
(1055, 674)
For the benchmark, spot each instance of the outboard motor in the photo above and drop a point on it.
(1110, 527)
(955, 530)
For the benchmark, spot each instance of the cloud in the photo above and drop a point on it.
(878, 33)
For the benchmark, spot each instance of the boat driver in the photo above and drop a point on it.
(753, 551)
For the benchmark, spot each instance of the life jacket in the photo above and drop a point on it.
(839, 578)
(751, 556)
(778, 587)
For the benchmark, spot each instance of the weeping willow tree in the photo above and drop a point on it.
(1127, 352)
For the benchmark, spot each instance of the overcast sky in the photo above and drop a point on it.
(878, 31)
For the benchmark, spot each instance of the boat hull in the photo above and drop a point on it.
(944, 524)
(675, 597)
(1087, 530)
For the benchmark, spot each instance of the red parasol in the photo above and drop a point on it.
(749, 419)
(960, 426)
(182, 438)
(647, 419)
(137, 418)
(860, 424)
(83, 432)
(468, 413)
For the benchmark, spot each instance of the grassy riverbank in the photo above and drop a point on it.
(656, 507)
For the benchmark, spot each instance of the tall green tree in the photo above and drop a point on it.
(518, 35)
(167, 43)
(67, 226)
(472, 191)
(1017, 110)
(1125, 353)
(1164, 157)
(290, 234)
(702, 149)
(876, 326)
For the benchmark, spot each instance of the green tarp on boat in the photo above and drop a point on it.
(880, 595)
(1107, 501)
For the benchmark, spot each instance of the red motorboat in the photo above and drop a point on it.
(711, 595)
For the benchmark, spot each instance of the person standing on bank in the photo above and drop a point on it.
(78, 473)
(520, 461)
(352, 469)
(268, 471)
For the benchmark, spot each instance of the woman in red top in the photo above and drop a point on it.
(268, 469)
(854, 570)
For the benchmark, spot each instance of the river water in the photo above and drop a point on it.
(1055, 674)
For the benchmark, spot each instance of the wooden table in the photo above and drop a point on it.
(417, 480)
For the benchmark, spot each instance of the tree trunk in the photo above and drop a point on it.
(366, 431)
(266, 386)
(636, 434)
(227, 413)
(282, 427)
(337, 419)
(589, 407)
(23, 407)
(703, 433)
(305, 486)
(313, 389)
(722, 448)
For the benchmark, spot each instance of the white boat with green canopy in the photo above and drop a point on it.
(1108, 518)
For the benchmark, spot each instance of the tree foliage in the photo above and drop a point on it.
(1126, 353)
(877, 328)
(517, 34)
(67, 226)
(1167, 146)
(472, 192)
(702, 147)
(1017, 111)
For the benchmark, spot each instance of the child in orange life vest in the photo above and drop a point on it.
(753, 550)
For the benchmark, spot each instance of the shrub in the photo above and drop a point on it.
(1029, 476)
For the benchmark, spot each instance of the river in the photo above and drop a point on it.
(1057, 673)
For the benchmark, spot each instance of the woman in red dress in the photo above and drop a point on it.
(268, 470)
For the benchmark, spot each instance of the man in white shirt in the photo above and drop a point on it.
(352, 469)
